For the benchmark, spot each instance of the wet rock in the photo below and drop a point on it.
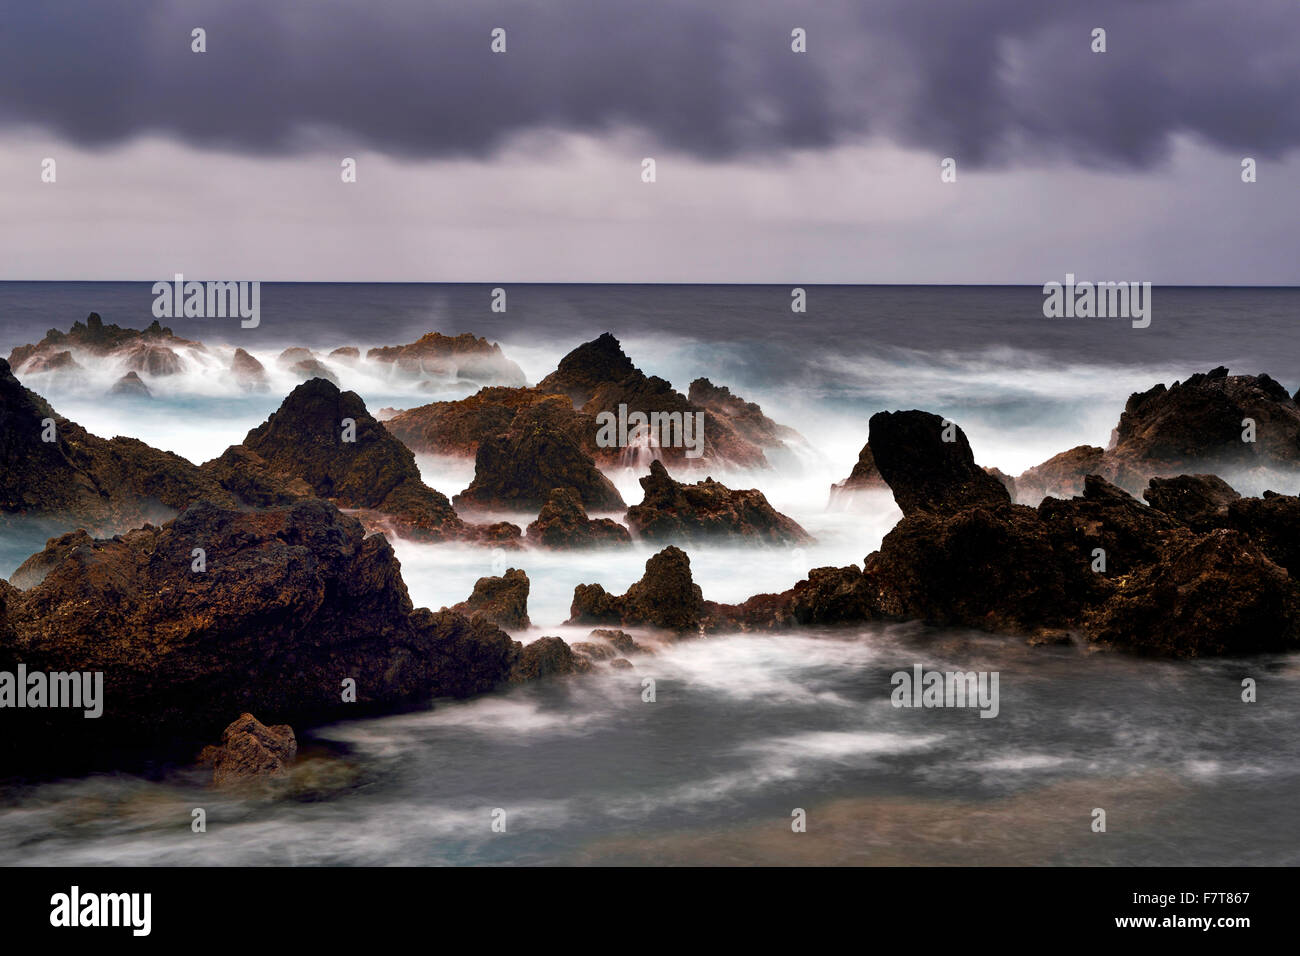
(131, 384)
(292, 602)
(93, 337)
(248, 372)
(745, 417)
(563, 524)
(312, 368)
(82, 480)
(926, 472)
(501, 600)
(461, 356)
(250, 750)
(666, 596)
(292, 356)
(1062, 475)
(33, 571)
(1007, 481)
(589, 367)
(1273, 525)
(1198, 501)
(347, 354)
(621, 641)
(52, 362)
(599, 377)
(673, 511)
(1106, 517)
(594, 651)
(1198, 423)
(863, 478)
(547, 657)
(990, 566)
(459, 427)
(520, 469)
(621, 664)
(1191, 427)
(307, 438)
(1210, 594)
(248, 476)
(154, 360)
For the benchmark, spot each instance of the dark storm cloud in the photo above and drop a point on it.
(992, 82)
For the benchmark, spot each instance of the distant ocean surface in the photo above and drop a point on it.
(1190, 325)
(745, 727)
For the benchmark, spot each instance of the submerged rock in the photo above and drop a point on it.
(312, 368)
(864, 477)
(461, 356)
(131, 384)
(154, 360)
(547, 657)
(155, 344)
(248, 372)
(52, 362)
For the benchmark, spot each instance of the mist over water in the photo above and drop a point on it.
(745, 728)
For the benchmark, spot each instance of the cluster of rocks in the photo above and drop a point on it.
(320, 443)
(281, 607)
(1200, 425)
(155, 350)
(463, 356)
(594, 378)
(1198, 571)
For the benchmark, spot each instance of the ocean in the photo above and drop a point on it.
(745, 729)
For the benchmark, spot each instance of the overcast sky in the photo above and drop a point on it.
(772, 165)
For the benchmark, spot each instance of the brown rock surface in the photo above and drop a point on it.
(563, 524)
(250, 750)
(293, 601)
(707, 510)
(501, 600)
(666, 596)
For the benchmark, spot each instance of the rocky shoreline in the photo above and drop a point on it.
(263, 582)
